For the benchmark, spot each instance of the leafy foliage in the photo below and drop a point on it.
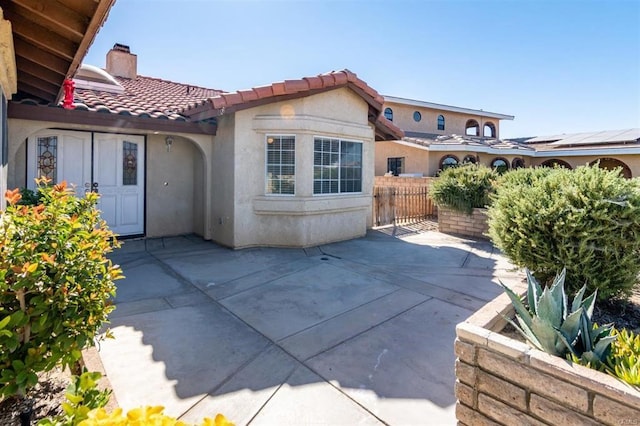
(549, 325)
(464, 188)
(82, 396)
(29, 197)
(143, 416)
(587, 219)
(55, 283)
(624, 360)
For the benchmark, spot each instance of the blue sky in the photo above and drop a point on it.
(558, 66)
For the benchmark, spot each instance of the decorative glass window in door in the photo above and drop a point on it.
(129, 163)
(47, 157)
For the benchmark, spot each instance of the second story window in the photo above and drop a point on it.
(388, 114)
(417, 116)
(441, 122)
(472, 128)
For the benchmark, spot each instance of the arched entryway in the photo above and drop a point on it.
(612, 164)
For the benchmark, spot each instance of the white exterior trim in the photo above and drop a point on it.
(423, 104)
(522, 151)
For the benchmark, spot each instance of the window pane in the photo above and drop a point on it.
(281, 165)
(129, 163)
(48, 157)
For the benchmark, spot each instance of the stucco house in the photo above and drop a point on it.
(41, 44)
(438, 136)
(287, 164)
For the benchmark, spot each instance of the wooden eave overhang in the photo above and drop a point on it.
(51, 37)
(105, 119)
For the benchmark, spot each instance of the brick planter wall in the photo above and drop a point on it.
(506, 381)
(454, 222)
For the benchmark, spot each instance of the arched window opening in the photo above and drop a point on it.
(470, 159)
(472, 128)
(517, 163)
(448, 161)
(489, 130)
(441, 122)
(388, 114)
(612, 164)
(555, 162)
(417, 116)
(500, 165)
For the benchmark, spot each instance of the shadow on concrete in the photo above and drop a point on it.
(387, 335)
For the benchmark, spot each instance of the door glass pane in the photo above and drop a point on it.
(47, 157)
(129, 163)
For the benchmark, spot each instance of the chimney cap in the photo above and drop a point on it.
(121, 47)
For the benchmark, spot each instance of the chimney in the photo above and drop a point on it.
(121, 62)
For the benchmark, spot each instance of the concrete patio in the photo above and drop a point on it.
(358, 332)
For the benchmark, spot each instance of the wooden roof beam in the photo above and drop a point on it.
(40, 36)
(34, 81)
(39, 71)
(33, 92)
(82, 7)
(26, 50)
(54, 16)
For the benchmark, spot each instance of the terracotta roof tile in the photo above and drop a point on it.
(279, 89)
(327, 80)
(144, 97)
(294, 86)
(263, 91)
(314, 82)
(248, 95)
(163, 99)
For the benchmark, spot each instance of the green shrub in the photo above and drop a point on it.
(463, 188)
(29, 197)
(624, 360)
(55, 283)
(82, 396)
(587, 219)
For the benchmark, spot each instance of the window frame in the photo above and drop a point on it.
(445, 157)
(417, 116)
(401, 160)
(266, 165)
(438, 125)
(388, 111)
(339, 193)
(507, 165)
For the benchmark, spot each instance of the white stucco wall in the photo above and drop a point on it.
(304, 219)
(179, 207)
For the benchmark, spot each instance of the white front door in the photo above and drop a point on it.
(110, 164)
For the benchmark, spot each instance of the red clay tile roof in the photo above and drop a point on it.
(229, 102)
(144, 97)
(157, 98)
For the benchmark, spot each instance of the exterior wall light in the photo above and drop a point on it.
(168, 141)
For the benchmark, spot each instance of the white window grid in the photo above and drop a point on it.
(280, 165)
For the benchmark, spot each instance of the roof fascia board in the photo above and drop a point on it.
(92, 118)
(482, 149)
(403, 101)
(582, 152)
(97, 20)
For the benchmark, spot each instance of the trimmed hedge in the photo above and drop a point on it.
(464, 188)
(587, 219)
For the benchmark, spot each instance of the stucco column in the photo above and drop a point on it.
(304, 165)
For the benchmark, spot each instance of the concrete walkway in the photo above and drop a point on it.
(358, 332)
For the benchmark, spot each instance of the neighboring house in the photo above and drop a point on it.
(288, 164)
(427, 156)
(438, 136)
(41, 44)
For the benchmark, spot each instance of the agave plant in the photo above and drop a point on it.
(550, 326)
